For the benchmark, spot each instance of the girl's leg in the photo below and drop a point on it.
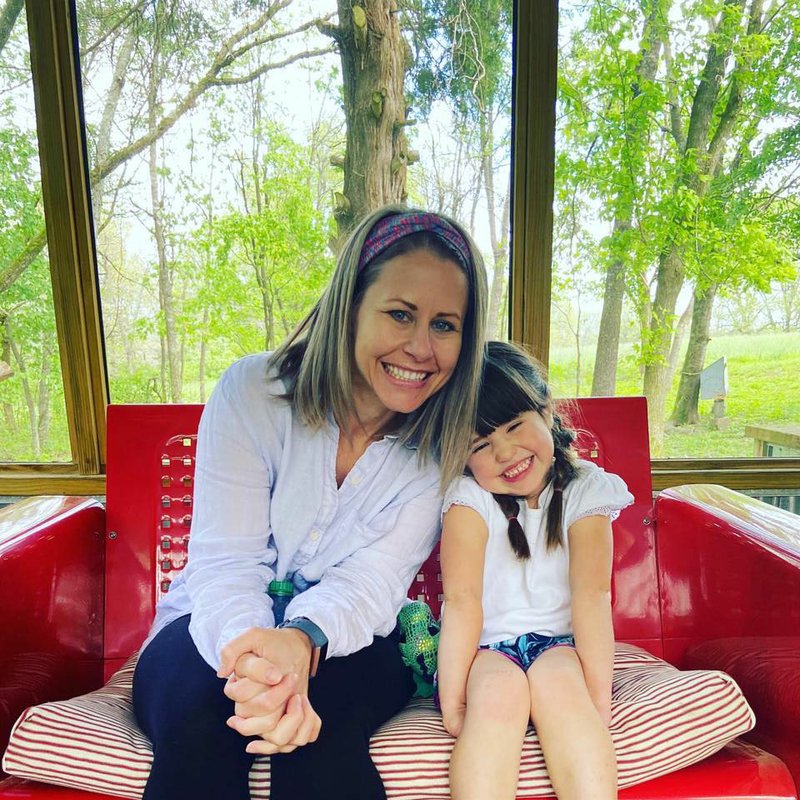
(575, 742)
(485, 760)
(353, 695)
(179, 703)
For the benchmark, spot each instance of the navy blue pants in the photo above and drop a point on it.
(179, 703)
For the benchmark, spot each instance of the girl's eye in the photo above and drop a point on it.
(399, 315)
(514, 425)
(478, 447)
(443, 325)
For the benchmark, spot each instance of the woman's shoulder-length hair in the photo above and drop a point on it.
(316, 361)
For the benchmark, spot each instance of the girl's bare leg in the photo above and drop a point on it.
(575, 742)
(485, 760)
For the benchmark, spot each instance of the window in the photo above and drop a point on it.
(34, 421)
(177, 205)
(220, 183)
(676, 220)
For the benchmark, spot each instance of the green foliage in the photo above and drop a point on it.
(461, 54)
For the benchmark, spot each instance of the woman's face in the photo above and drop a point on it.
(408, 333)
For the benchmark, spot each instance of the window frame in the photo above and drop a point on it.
(53, 38)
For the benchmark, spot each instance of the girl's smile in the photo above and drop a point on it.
(515, 458)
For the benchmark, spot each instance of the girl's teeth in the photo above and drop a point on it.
(404, 374)
(512, 473)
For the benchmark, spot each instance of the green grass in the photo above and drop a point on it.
(763, 375)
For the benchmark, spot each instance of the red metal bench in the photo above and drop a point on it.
(697, 577)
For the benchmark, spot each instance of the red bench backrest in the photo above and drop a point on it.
(151, 452)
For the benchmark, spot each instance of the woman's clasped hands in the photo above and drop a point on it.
(267, 672)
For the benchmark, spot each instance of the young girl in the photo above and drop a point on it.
(526, 629)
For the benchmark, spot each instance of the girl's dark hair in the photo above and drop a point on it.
(511, 384)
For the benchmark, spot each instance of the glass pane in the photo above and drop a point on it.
(677, 219)
(218, 134)
(33, 423)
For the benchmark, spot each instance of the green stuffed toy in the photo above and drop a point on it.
(419, 641)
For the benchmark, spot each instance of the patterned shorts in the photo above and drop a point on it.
(525, 649)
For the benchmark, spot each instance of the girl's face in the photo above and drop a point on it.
(515, 458)
(408, 333)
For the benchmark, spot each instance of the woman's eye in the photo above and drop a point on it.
(479, 447)
(399, 315)
(514, 425)
(443, 325)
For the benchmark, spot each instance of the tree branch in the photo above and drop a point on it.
(731, 112)
(251, 76)
(8, 17)
(707, 91)
(275, 37)
(23, 260)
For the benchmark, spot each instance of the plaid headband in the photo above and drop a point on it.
(391, 229)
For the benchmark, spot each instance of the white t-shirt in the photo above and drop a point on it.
(532, 595)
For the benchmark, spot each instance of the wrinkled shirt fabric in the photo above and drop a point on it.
(267, 506)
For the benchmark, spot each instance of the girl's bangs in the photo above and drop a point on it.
(503, 397)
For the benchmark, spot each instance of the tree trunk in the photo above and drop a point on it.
(498, 238)
(680, 333)
(701, 142)
(686, 410)
(373, 55)
(604, 378)
(43, 423)
(201, 367)
(26, 391)
(103, 138)
(166, 298)
(5, 355)
(657, 375)
(8, 18)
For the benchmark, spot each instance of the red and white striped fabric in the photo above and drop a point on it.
(662, 720)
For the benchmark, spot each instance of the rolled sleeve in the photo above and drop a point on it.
(231, 555)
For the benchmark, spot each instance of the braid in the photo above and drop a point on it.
(564, 470)
(519, 542)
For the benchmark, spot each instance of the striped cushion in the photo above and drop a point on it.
(662, 720)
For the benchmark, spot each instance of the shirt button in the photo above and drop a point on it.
(355, 480)
(314, 535)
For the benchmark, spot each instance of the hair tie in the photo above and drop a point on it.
(385, 232)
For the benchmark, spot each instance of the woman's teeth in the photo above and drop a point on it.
(404, 374)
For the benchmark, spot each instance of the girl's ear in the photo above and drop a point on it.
(547, 416)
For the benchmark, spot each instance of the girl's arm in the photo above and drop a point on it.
(590, 561)
(463, 548)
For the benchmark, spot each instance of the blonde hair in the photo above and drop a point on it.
(317, 359)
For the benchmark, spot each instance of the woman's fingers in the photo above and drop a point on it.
(299, 726)
(258, 669)
(262, 710)
(238, 653)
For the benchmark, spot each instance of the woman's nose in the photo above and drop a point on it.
(419, 344)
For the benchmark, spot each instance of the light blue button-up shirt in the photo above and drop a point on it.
(266, 506)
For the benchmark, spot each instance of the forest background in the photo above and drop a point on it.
(232, 146)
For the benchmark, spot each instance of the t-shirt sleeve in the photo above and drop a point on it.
(595, 492)
(465, 491)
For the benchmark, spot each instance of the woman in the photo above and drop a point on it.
(315, 465)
